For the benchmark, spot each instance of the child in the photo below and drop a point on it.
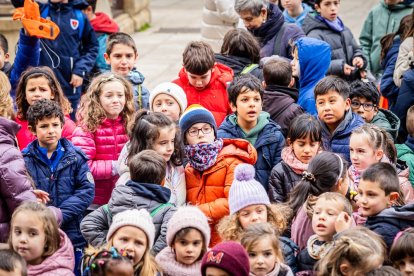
(121, 54)
(357, 251)
(108, 262)
(280, 95)
(384, 271)
(405, 151)
(5, 65)
(295, 11)
(226, 259)
(143, 191)
(60, 169)
(153, 130)
(327, 172)
(249, 122)
(132, 234)
(310, 64)
(347, 60)
(402, 252)
(39, 83)
(36, 237)
(304, 141)
(12, 263)
(265, 255)
(335, 115)
(364, 102)
(378, 191)
(204, 81)
(188, 236)
(169, 99)
(103, 117)
(211, 163)
(332, 213)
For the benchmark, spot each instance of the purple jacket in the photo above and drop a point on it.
(15, 185)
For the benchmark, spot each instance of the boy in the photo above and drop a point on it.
(249, 122)
(143, 191)
(405, 151)
(121, 54)
(280, 95)
(204, 81)
(60, 169)
(5, 65)
(335, 115)
(364, 102)
(295, 11)
(378, 191)
(12, 263)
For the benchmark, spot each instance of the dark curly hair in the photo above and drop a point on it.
(44, 109)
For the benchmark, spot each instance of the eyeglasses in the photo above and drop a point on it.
(365, 106)
(195, 131)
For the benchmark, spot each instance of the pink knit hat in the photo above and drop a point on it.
(188, 216)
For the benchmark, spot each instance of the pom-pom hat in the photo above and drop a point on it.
(170, 89)
(245, 190)
(195, 114)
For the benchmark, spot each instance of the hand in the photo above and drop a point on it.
(348, 69)
(343, 222)
(42, 196)
(358, 62)
(363, 74)
(76, 81)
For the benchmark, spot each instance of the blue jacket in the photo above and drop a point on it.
(137, 80)
(269, 145)
(388, 87)
(314, 60)
(70, 187)
(338, 141)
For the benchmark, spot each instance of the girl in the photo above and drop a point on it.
(132, 234)
(103, 116)
(304, 141)
(327, 172)
(211, 163)
(168, 98)
(108, 262)
(153, 130)
(370, 144)
(356, 252)
(35, 236)
(188, 235)
(263, 247)
(39, 83)
(402, 252)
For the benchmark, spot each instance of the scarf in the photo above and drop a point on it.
(289, 157)
(203, 156)
(335, 25)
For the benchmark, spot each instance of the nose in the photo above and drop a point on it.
(170, 147)
(163, 107)
(353, 155)
(260, 259)
(408, 269)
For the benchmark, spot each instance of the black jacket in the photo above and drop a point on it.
(238, 64)
(281, 181)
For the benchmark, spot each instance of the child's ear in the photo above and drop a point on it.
(288, 142)
(233, 108)
(264, 84)
(347, 104)
(292, 83)
(106, 56)
(33, 131)
(393, 196)
(379, 154)
(345, 268)
(6, 57)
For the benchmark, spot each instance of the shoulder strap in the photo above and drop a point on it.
(106, 210)
(140, 96)
(278, 40)
(249, 68)
(162, 206)
(81, 20)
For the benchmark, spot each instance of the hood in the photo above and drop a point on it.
(311, 23)
(237, 64)
(135, 77)
(8, 131)
(405, 212)
(400, 6)
(276, 92)
(221, 72)
(102, 23)
(387, 120)
(240, 148)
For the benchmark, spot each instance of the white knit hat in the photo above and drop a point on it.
(171, 89)
(188, 216)
(245, 190)
(137, 218)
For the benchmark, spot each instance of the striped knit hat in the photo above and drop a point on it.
(195, 114)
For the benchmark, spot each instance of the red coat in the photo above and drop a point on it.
(102, 147)
(210, 191)
(25, 137)
(214, 96)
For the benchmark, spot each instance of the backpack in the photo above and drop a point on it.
(249, 68)
(79, 16)
(153, 213)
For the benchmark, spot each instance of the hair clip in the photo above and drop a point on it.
(308, 176)
(101, 262)
(93, 266)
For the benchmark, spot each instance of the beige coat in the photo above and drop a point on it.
(405, 56)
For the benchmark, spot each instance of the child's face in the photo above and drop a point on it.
(331, 108)
(112, 98)
(248, 107)
(168, 105)
(199, 81)
(325, 213)
(188, 249)
(252, 214)
(328, 9)
(295, 63)
(362, 153)
(122, 59)
(304, 149)
(37, 89)
(200, 133)
(214, 271)
(164, 145)
(4, 57)
(48, 132)
(364, 108)
(28, 237)
(372, 199)
(406, 266)
(262, 257)
(131, 241)
(291, 5)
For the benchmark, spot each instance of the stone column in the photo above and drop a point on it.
(134, 15)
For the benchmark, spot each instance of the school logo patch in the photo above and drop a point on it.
(90, 177)
(215, 258)
(74, 24)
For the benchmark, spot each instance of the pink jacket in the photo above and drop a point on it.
(62, 262)
(102, 147)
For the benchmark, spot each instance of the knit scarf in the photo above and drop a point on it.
(203, 156)
(292, 161)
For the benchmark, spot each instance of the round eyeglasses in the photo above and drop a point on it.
(195, 131)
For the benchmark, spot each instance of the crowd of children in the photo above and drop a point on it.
(273, 156)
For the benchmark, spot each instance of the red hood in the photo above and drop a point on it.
(221, 72)
(102, 23)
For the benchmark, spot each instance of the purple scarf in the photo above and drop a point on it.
(335, 25)
(203, 156)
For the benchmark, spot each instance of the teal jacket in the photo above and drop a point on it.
(388, 121)
(406, 153)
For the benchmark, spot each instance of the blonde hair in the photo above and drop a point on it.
(339, 198)
(230, 229)
(6, 104)
(91, 113)
(50, 226)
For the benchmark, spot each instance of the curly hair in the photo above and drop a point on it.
(91, 114)
(6, 104)
(44, 109)
(57, 92)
